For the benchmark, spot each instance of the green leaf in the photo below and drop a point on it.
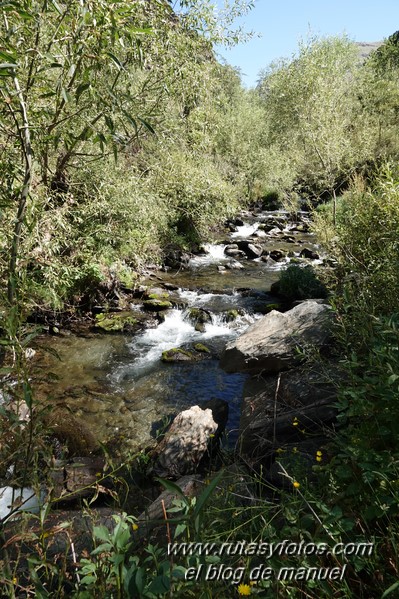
(102, 548)
(80, 89)
(116, 61)
(102, 533)
(173, 488)
(65, 95)
(160, 585)
(392, 588)
(57, 7)
(146, 125)
(205, 495)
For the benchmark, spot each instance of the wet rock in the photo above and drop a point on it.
(234, 251)
(251, 250)
(156, 305)
(199, 318)
(232, 314)
(310, 254)
(221, 268)
(185, 443)
(177, 354)
(277, 255)
(268, 261)
(270, 344)
(234, 265)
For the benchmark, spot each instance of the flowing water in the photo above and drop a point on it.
(117, 383)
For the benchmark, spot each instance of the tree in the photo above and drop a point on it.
(310, 101)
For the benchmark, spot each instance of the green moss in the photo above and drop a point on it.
(158, 296)
(156, 305)
(117, 322)
(177, 354)
(232, 315)
(200, 347)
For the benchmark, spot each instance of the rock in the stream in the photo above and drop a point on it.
(156, 305)
(310, 254)
(177, 354)
(270, 344)
(277, 255)
(251, 249)
(185, 443)
(286, 408)
(234, 265)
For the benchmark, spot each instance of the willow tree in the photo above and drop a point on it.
(68, 86)
(312, 112)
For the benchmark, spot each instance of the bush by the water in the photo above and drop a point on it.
(300, 283)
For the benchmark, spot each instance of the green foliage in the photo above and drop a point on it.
(298, 282)
(365, 243)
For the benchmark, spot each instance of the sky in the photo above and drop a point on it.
(282, 23)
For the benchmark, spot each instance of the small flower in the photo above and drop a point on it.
(296, 484)
(294, 449)
(244, 589)
(319, 458)
(296, 422)
(319, 453)
(14, 580)
(134, 526)
(252, 582)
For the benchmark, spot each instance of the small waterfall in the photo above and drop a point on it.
(214, 254)
(245, 230)
(177, 330)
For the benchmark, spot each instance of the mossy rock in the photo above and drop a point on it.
(200, 347)
(115, 322)
(158, 296)
(232, 314)
(156, 305)
(199, 316)
(177, 354)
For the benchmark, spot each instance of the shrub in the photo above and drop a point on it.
(300, 283)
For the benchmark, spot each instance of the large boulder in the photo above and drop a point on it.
(185, 443)
(270, 345)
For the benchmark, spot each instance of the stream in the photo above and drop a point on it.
(118, 385)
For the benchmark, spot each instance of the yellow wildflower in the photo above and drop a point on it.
(296, 421)
(319, 453)
(134, 526)
(318, 458)
(296, 484)
(244, 589)
(294, 449)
